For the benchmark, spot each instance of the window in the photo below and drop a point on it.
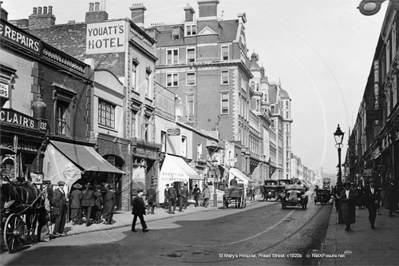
(191, 79)
(191, 30)
(257, 86)
(176, 34)
(225, 77)
(199, 150)
(135, 125)
(224, 102)
(163, 141)
(133, 79)
(184, 146)
(106, 114)
(148, 73)
(7, 81)
(225, 52)
(190, 55)
(253, 85)
(172, 80)
(63, 118)
(172, 56)
(190, 107)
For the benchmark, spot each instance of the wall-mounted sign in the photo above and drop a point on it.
(4, 91)
(19, 37)
(173, 131)
(13, 117)
(106, 37)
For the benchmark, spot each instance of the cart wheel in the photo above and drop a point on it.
(14, 233)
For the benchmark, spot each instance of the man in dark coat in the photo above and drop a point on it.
(88, 203)
(139, 211)
(172, 195)
(185, 195)
(234, 182)
(196, 193)
(180, 197)
(109, 205)
(151, 198)
(348, 206)
(75, 199)
(98, 204)
(373, 196)
(59, 208)
(166, 197)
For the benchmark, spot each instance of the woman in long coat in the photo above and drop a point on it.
(109, 205)
(348, 206)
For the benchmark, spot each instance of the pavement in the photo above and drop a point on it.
(363, 245)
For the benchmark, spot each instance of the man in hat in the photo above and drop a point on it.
(75, 199)
(196, 193)
(373, 196)
(166, 197)
(151, 198)
(98, 204)
(139, 211)
(109, 205)
(348, 206)
(88, 203)
(234, 182)
(59, 208)
(172, 195)
(185, 195)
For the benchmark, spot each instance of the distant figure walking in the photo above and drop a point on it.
(348, 206)
(151, 198)
(59, 202)
(207, 195)
(166, 197)
(373, 196)
(196, 193)
(139, 211)
(172, 195)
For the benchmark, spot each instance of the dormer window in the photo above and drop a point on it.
(176, 34)
(191, 30)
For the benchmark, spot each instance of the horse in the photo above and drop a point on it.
(24, 198)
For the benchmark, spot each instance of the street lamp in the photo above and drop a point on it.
(215, 178)
(371, 7)
(339, 137)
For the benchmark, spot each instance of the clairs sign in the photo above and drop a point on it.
(108, 37)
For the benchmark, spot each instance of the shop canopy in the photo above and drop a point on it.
(85, 157)
(175, 169)
(240, 175)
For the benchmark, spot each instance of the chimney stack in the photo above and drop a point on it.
(39, 20)
(189, 13)
(208, 9)
(138, 14)
(95, 15)
(3, 12)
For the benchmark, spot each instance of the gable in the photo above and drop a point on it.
(207, 31)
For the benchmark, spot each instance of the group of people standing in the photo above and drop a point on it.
(96, 205)
(347, 197)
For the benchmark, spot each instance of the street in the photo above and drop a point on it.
(260, 234)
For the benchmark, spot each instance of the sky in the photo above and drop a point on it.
(320, 50)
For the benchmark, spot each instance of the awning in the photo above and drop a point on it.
(240, 175)
(85, 157)
(175, 169)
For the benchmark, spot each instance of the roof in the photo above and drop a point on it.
(284, 94)
(254, 66)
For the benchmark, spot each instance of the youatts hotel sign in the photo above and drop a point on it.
(106, 37)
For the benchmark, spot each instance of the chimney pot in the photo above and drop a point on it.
(189, 13)
(97, 5)
(35, 10)
(45, 10)
(91, 7)
(50, 9)
(39, 10)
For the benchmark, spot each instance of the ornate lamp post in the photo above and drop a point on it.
(339, 137)
(371, 7)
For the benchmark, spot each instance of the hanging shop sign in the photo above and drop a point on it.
(19, 37)
(13, 117)
(108, 37)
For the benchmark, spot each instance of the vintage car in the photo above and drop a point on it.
(281, 183)
(322, 195)
(294, 195)
(270, 190)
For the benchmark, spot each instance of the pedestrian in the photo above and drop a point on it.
(253, 194)
(196, 193)
(172, 195)
(139, 211)
(207, 195)
(151, 198)
(166, 197)
(373, 196)
(180, 197)
(59, 210)
(109, 205)
(185, 196)
(234, 182)
(98, 204)
(88, 203)
(43, 212)
(348, 206)
(391, 198)
(75, 199)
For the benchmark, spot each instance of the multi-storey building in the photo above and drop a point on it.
(205, 63)
(374, 141)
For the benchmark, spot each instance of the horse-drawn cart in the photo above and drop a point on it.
(235, 194)
(22, 215)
